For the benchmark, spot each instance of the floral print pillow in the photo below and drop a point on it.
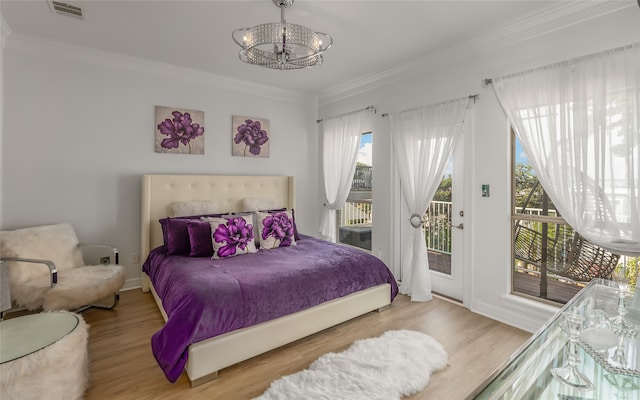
(276, 229)
(232, 236)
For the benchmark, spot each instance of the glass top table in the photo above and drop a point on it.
(25, 335)
(609, 354)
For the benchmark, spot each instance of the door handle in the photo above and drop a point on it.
(459, 226)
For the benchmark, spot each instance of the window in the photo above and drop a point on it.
(438, 225)
(354, 219)
(550, 260)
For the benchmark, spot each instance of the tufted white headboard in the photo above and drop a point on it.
(159, 191)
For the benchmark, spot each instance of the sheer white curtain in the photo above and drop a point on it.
(423, 140)
(579, 123)
(341, 137)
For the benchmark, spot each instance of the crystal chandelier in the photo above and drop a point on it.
(280, 45)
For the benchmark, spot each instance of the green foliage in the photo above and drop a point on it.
(444, 190)
(528, 191)
(632, 266)
(526, 181)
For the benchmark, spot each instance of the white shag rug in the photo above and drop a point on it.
(397, 363)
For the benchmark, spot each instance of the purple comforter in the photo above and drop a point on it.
(204, 298)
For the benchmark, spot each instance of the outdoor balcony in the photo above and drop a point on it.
(554, 278)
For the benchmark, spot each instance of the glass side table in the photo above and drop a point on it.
(28, 334)
(609, 357)
(44, 356)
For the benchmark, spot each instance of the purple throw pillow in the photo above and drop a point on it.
(175, 233)
(200, 238)
(176, 236)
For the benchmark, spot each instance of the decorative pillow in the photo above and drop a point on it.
(176, 234)
(254, 222)
(276, 229)
(293, 215)
(185, 208)
(258, 203)
(200, 238)
(232, 236)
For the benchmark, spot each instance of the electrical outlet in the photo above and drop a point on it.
(135, 259)
(105, 260)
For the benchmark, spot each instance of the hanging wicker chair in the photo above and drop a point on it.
(575, 257)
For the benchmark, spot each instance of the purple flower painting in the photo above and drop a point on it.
(250, 137)
(179, 130)
(236, 234)
(280, 227)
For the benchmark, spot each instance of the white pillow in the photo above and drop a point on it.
(186, 208)
(259, 204)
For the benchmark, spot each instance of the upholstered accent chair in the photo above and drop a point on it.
(47, 270)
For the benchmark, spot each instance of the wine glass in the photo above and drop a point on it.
(569, 374)
(619, 356)
(619, 276)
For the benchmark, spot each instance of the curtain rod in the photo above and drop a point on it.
(370, 107)
(488, 81)
(471, 96)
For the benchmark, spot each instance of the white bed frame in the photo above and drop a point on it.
(206, 358)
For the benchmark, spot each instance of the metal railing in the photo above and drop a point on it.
(437, 219)
(362, 178)
(437, 224)
(356, 213)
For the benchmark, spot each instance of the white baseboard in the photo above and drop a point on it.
(133, 283)
(528, 315)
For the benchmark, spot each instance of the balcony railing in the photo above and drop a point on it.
(354, 221)
(362, 178)
(437, 219)
(356, 213)
(438, 226)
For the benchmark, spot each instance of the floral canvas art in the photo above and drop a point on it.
(179, 130)
(250, 137)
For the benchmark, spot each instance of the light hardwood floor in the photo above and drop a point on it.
(122, 366)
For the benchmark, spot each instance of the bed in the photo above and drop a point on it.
(204, 349)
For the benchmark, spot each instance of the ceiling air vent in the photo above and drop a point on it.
(65, 9)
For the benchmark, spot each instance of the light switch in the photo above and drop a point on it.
(485, 190)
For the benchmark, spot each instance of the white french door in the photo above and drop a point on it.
(448, 268)
(445, 232)
(447, 253)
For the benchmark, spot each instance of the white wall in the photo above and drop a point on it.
(456, 73)
(79, 133)
(4, 32)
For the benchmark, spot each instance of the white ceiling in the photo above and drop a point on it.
(370, 37)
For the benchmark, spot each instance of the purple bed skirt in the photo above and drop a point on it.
(204, 298)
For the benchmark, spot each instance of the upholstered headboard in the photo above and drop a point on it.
(159, 191)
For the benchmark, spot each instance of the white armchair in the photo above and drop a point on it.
(47, 270)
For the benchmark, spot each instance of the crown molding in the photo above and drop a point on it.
(518, 31)
(5, 30)
(168, 71)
